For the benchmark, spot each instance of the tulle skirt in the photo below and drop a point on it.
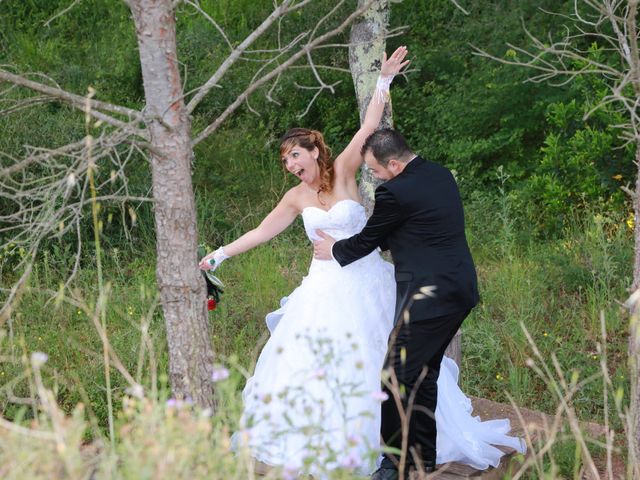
(313, 403)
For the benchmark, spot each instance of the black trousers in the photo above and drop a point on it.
(415, 351)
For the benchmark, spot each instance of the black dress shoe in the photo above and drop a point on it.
(430, 466)
(385, 474)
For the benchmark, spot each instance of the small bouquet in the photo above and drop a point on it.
(214, 284)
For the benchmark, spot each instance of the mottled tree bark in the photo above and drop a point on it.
(182, 290)
(367, 44)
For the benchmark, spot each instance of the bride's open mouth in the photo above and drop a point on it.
(298, 173)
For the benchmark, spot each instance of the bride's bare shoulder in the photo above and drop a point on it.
(294, 197)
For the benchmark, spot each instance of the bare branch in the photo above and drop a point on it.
(275, 72)
(16, 289)
(455, 2)
(321, 67)
(630, 24)
(26, 103)
(235, 55)
(71, 98)
(46, 154)
(327, 16)
(62, 12)
(197, 6)
(319, 89)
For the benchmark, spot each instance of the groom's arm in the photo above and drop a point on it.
(386, 217)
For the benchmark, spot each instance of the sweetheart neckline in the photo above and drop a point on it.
(333, 206)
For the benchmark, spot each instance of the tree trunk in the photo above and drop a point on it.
(182, 290)
(634, 331)
(365, 52)
(367, 44)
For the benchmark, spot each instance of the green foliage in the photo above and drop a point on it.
(464, 111)
(583, 162)
(557, 290)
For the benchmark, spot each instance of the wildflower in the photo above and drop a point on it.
(179, 403)
(71, 180)
(136, 391)
(38, 359)
(351, 461)
(206, 413)
(353, 439)
(617, 177)
(380, 396)
(219, 374)
(631, 221)
(499, 377)
(266, 398)
(290, 472)
(245, 435)
(545, 334)
(320, 373)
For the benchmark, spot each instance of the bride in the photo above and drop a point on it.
(313, 404)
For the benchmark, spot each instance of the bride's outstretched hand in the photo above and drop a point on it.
(204, 263)
(213, 260)
(395, 63)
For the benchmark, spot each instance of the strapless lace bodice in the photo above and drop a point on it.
(344, 219)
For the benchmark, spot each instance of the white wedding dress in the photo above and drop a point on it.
(313, 403)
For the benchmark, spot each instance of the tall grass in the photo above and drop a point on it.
(557, 289)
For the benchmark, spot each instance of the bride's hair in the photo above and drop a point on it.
(308, 139)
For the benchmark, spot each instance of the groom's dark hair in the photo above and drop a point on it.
(385, 144)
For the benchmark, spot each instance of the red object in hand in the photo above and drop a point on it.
(211, 304)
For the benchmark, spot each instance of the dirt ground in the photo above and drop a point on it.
(535, 423)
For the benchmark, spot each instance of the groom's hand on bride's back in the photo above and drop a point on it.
(322, 248)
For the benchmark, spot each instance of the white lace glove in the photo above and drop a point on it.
(382, 88)
(213, 260)
(388, 69)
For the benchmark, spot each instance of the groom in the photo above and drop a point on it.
(417, 215)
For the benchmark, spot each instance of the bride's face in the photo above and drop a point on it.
(302, 163)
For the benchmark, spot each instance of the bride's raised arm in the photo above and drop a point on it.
(347, 163)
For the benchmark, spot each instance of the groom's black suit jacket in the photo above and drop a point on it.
(418, 216)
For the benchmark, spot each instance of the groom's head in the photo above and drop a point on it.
(386, 153)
